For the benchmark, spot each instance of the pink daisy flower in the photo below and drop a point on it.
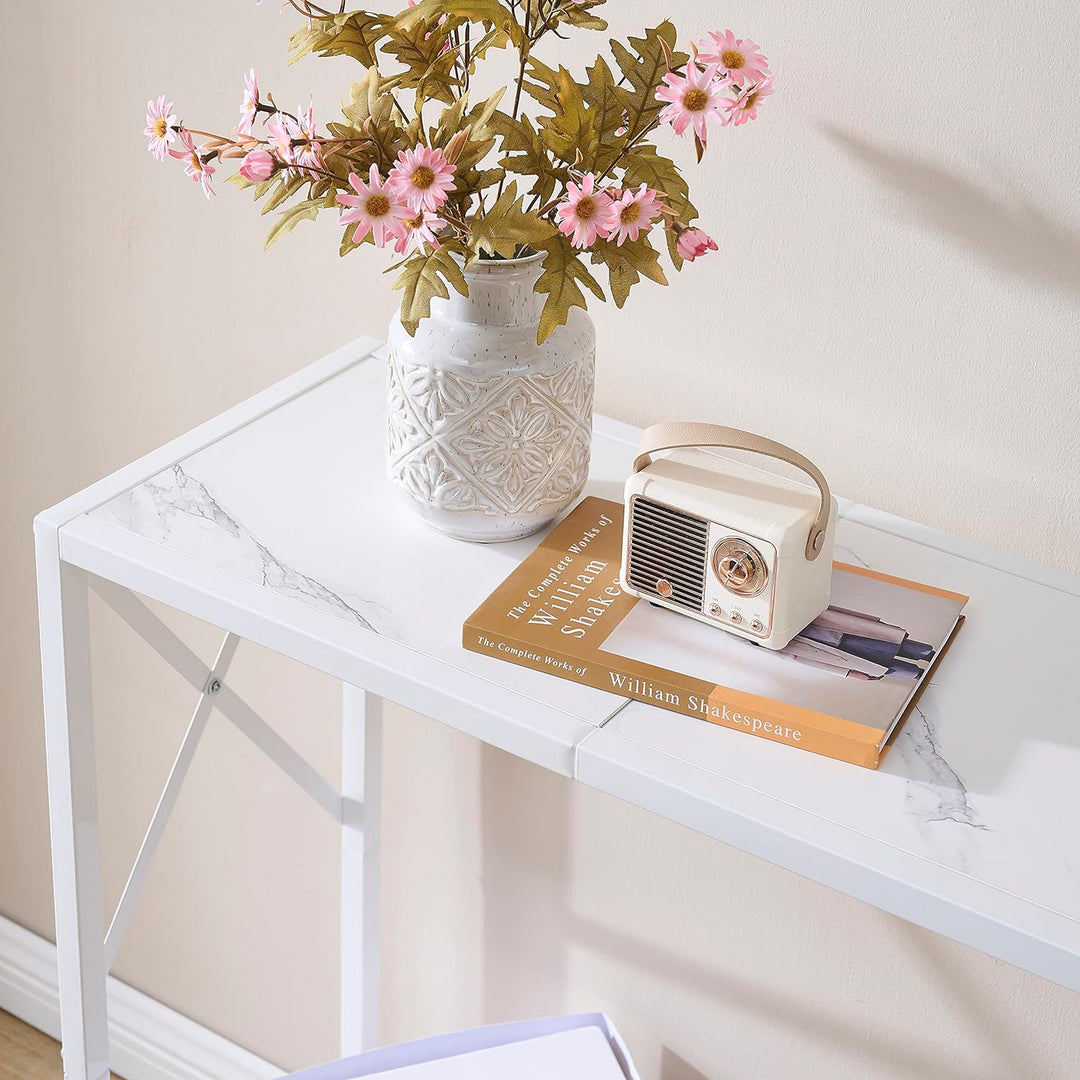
(377, 209)
(745, 106)
(280, 138)
(631, 213)
(583, 214)
(309, 154)
(693, 243)
(248, 105)
(693, 99)
(418, 230)
(200, 171)
(739, 58)
(422, 178)
(160, 126)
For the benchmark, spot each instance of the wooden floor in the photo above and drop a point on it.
(26, 1054)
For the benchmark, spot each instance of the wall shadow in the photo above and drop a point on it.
(530, 927)
(794, 1011)
(673, 1067)
(1007, 231)
(984, 1013)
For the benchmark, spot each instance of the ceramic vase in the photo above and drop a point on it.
(488, 433)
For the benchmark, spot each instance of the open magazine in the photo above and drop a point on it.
(840, 688)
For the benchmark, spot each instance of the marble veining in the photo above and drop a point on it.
(173, 502)
(935, 796)
(934, 791)
(846, 555)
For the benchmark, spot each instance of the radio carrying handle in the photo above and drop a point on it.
(678, 436)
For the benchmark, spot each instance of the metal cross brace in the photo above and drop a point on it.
(214, 692)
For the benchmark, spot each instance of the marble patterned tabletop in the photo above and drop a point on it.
(969, 826)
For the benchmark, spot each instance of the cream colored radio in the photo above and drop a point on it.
(729, 543)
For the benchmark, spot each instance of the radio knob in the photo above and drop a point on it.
(664, 589)
(739, 567)
(735, 617)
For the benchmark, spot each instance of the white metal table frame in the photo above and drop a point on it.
(622, 751)
(83, 955)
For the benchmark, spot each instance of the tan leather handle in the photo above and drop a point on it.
(682, 435)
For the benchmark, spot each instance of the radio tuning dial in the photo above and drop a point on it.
(739, 567)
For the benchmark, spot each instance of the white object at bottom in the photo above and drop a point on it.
(580, 1047)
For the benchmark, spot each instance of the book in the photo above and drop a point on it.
(840, 688)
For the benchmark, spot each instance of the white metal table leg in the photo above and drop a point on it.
(361, 776)
(69, 746)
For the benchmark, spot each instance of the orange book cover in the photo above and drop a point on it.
(840, 688)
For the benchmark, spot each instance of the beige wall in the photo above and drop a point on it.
(901, 300)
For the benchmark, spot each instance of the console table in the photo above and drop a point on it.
(276, 523)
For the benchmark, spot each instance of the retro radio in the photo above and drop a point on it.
(728, 543)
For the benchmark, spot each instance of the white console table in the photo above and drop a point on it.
(275, 522)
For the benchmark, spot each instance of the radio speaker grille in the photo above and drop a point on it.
(667, 545)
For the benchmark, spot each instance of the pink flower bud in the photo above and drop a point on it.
(694, 242)
(257, 165)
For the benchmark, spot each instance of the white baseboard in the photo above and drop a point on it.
(147, 1040)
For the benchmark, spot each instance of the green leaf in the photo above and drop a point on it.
(672, 238)
(429, 68)
(604, 104)
(454, 13)
(627, 264)
(643, 66)
(354, 34)
(524, 153)
(424, 277)
(646, 64)
(570, 12)
(476, 182)
(576, 15)
(480, 134)
(449, 121)
(367, 101)
(643, 165)
(288, 219)
(349, 244)
(562, 270)
(545, 87)
(507, 226)
(283, 186)
(479, 47)
(569, 132)
(370, 112)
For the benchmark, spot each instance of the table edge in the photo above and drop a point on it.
(210, 431)
(1006, 926)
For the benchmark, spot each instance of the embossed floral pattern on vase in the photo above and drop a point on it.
(489, 433)
(498, 446)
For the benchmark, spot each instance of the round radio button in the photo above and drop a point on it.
(664, 588)
(714, 609)
(735, 617)
(739, 567)
(757, 626)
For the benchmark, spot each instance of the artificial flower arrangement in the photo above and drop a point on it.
(414, 166)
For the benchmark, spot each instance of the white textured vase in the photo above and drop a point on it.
(488, 433)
